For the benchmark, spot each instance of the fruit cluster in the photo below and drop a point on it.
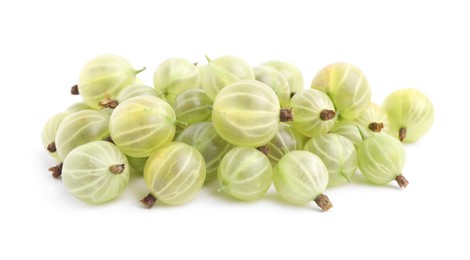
(245, 126)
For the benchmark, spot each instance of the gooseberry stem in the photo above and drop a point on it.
(402, 134)
(208, 59)
(263, 149)
(323, 202)
(117, 169)
(402, 181)
(286, 115)
(292, 94)
(108, 103)
(327, 114)
(376, 127)
(51, 147)
(139, 71)
(56, 170)
(149, 201)
(74, 90)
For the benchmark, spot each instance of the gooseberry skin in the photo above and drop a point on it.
(141, 125)
(175, 173)
(192, 106)
(136, 165)
(104, 77)
(300, 177)
(80, 128)
(373, 115)
(223, 71)
(381, 158)
(79, 106)
(337, 153)
(49, 132)
(347, 87)
(275, 80)
(307, 106)
(175, 75)
(349, 130)
(246, 113)
(245, 173)
(135, 90)
(87, 172)
(411, 110)
(291, 73)
(286, 139)
(212, 147)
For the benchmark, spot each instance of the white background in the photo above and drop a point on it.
(421, 44)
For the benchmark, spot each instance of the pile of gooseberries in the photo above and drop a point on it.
(245, 128)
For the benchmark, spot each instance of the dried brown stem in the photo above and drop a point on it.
(402, 181)
(402, 134)
(263, 149)
(149, 200)
(108, 103)
(56, 170)
(327, 114)
(74, 90)
(323, 202)
(51, 147)
(376, 127)
(117, 169)
(286, 115)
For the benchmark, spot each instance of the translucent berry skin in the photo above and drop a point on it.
(136, 165)
(349, 130)
(175, 173)
(291, 73)
(141, 125)
(192, 106)
(308, 105)
(87, 172)
(300, 177)
(276, 81)
(80, 128)
(409, 109)
(347, 87)
(135, 90)
(104, 77)
(224, 71)
(79, 106)
(49, 132)
(372, 115)
(245, 173)
(381, 158)
(337, 153)
(246, 113)
(175, 75)
(286, 139)
(212, 147)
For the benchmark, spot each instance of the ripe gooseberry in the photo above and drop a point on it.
(223, 71)
(247, 113)
(411, 114)
(95, 172)
(141, 125)
(347, 87)
(300, 177)
(381, 159)
(337, 153)
(245, 173)
(104, 77)
(174, 174)
(314, 112)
